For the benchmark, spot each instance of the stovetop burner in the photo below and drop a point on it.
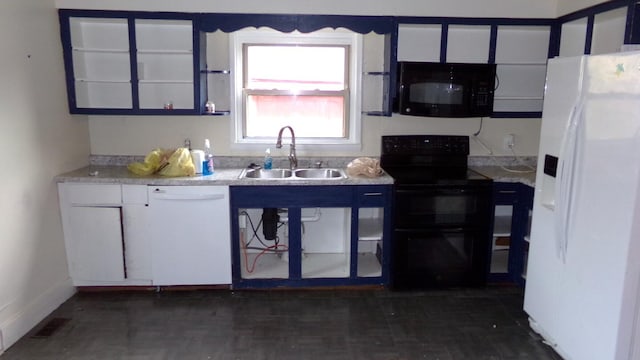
(427, 159)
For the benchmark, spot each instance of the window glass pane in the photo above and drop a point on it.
(288, 67)
(310, 116)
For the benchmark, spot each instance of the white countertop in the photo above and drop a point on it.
(520, 174)
(221, 176)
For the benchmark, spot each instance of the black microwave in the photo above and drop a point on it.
(445, 89)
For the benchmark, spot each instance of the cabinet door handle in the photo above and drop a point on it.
(507, 191)
(373, 194)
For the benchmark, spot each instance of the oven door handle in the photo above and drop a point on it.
(436, 191)
(431, 230)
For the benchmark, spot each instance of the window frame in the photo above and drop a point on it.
(340, 37)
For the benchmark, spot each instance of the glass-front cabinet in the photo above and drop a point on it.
(310, 235)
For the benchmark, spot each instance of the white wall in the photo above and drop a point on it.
(38, 140)
(466, 8)
(135, 135)
(568, 6)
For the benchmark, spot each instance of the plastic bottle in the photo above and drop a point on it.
(268, 160)
(207, 164)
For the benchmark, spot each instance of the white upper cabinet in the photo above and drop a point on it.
(608, 31)
(419, 42)
(468, 44)
(101, 62)
(165, 63)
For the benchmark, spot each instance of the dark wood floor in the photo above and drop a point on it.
(287, 324)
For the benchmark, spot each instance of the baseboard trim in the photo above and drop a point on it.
(19, 325)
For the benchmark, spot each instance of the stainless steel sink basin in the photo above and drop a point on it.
(286, 174)
(319, 173)
(266, 174)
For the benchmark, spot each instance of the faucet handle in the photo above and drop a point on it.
(318, 164)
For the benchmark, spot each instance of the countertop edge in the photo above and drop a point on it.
(515, 174)
(106, 174)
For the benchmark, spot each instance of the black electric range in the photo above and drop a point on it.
(442, 212)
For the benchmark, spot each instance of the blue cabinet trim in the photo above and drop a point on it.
(303, 23)
(294, 198)
(387, 25)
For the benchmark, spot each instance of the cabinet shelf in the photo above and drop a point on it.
(215, 71)
(502, 226)
(370, 229)
(217, 113)
(165, 81)
(375, 113)
(100, 50)
(105, 81)
(165, 52)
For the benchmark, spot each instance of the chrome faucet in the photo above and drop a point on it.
(293, 160)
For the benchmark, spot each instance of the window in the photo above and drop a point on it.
(307, 81)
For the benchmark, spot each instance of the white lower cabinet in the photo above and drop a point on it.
(105, 229)
(94, 244)
(115, 235)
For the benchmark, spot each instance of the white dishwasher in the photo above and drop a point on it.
(190, 235)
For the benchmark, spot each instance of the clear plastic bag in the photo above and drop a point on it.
(364, 166)
(170, 163)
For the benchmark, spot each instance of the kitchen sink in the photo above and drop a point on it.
(319, 173)
(286, 174)
(266, 174)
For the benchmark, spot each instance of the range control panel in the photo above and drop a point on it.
(425, 145)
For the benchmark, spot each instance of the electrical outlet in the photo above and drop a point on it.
(509, 141)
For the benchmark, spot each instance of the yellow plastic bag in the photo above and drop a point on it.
(179, 164)
(171, 163)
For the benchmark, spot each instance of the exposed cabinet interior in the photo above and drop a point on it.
(216, 73)
(375, 78)
(468, 44)
(521, 65)
(101, 62)
(310, 235)
(370, 245)
(501, 239)
(165, 63)
(573, 37)
(608, 31)
(509, 251)
(419, 42)
(323, 233)
(122, 64)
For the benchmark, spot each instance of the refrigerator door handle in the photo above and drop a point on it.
(565, 180)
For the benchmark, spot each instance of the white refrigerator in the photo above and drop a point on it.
(583, 271)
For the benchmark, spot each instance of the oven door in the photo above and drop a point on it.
(435, 258)
(425, 206)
